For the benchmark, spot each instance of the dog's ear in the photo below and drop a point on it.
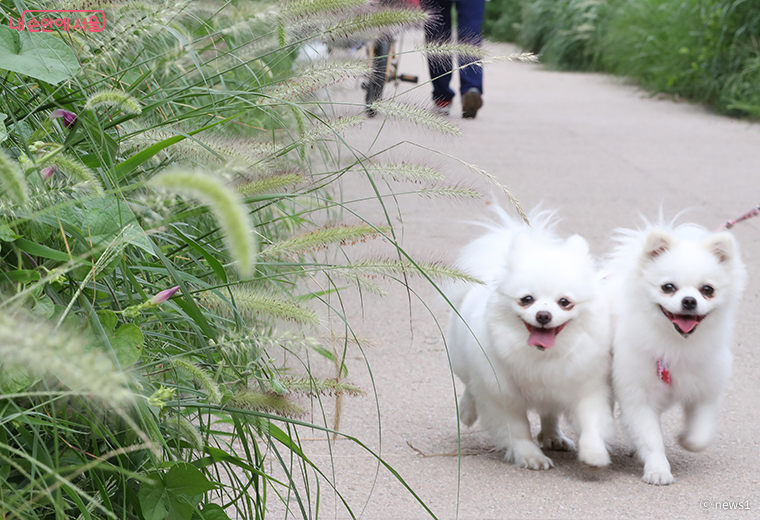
(577, 243)
(722, 246)
(658, 242)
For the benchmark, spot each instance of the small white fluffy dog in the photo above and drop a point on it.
(674, 292)
(535, 336)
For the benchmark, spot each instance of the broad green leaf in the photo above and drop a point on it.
(44, 307)
(14, 379)
(38, 55)
(152, 496)
(126, 341)
(99, 221)
(7, 234)
(188, 481)
(175, 494)
(213, 512)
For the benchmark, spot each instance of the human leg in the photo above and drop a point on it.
(438, 30)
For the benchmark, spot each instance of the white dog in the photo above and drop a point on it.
(674, 292)
(535, 336)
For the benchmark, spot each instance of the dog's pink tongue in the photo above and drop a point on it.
(685, 323)
(541, 337)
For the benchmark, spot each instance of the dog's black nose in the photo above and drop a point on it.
(689, 303)
(543, 317)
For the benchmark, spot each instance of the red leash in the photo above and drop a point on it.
(728, 224)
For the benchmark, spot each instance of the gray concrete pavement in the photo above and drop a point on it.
(602, 153)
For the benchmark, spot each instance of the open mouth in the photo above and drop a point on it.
(685, 324)
(543, 337)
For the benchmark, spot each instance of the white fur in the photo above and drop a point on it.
(688, 257)
(504, 376)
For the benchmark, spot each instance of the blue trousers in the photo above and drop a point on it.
(438, 30)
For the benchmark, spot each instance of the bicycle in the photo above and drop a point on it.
(385, 63)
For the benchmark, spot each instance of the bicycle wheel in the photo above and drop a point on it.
(381, 49)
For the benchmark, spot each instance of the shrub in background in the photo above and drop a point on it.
(705, 50)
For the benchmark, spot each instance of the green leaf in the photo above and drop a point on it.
(126, 342)
(21, 276)
(38, 55)
(7, 234)
(14, 379)
(99, 221)
(175, 494)
(185, 480)
(3, 130)
(213, 512)
(152, 496)
(40, 250)
(44, 307)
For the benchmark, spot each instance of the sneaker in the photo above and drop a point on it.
(471, 103)
(442, 107)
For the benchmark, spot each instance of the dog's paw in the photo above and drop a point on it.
(555, 441)
(692, 442)
(658, 478)
(595, 459)
(526, 454)
(657, 470)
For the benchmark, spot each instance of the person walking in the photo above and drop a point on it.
(438, 29)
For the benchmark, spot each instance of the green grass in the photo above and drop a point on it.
(704, 50)
(199, 163)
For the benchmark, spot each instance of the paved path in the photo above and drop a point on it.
(602, 153)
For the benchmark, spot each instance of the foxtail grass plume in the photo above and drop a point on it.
(438, 50)
(396, 268)
(13, 180)
(229, 210)
(270, 184)
(44, 351)
(416, 114)
(382, 19)
(315, 78)
(306, 8)
(201, 378)
(321, 238)
(69, 117)
(188, 431)
(314, 386)
(274, 404)
(74, 169)
(450, 192)
(404, 171)
(253, 304)
(116, 99)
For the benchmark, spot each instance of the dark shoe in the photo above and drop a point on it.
(471, 103)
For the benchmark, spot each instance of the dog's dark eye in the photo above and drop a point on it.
(565, 304)
(525, 301)
(707, 291)
(668, 288)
